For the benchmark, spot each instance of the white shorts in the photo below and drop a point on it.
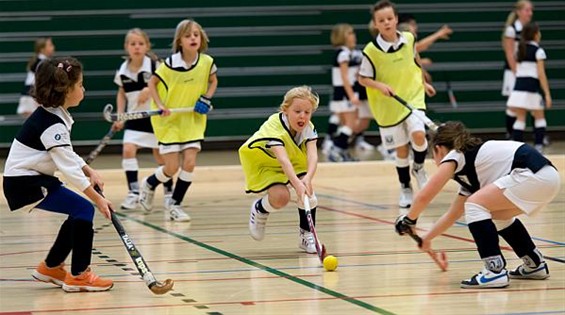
(171, 148)
(525, 100)
(363, 111)
(27, 105)
(344, 106)
(140, 138)
(530, 191)
(508, 81)
(401, 134)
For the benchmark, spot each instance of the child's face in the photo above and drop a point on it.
(75, 94)
(350, 39)
(299, 114)
(136, 46)
(525, 13)
(385, 21)
(49, 48)
(190, 41)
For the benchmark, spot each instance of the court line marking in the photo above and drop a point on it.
(260, 266)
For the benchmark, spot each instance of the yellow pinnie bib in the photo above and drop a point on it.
(181, 87)
(399, 70)
(261, 167)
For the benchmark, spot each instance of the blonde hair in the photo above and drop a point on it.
(184, 27)
(38, 46)
(143, 34)
(454, 136)
(302, 92)
(513, 16)
(339, 34)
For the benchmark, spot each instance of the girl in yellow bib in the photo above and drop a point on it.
(283, 151)
(391, 66)
(186, 79)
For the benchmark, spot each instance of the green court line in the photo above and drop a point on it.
(263, 267)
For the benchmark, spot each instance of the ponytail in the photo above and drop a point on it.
(454, 136)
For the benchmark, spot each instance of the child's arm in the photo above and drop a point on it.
(155, 95)
(456, 210)
(508, 46)
(426, 42)
(212, 85)
(312, 158)
(344, 72)
(370, 83)
(430, 91)
(544, 83)
(282, 157)
(433, 187)
(121, 108)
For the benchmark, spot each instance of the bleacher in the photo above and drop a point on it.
(262, 48)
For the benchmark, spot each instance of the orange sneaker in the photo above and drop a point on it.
(87, 281)
(55, 275)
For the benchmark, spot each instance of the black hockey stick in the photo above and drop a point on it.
(105, 140)
(420, 114)
(155, 286)
(110, 117)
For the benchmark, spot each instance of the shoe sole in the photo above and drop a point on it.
(528, 278)
(81, 288)
(485, 286)
(43, 278)
(127, 208)
(179, 220)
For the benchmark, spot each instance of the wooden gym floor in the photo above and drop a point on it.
(219, 269)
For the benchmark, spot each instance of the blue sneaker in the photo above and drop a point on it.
(487, 279)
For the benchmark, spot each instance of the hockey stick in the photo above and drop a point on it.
(428, 122)
(439, 257)
(94, 153)
(155, 286)
(107, 112)
(320, 248)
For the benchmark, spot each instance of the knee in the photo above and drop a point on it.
(419, 138)
(170, 169)
(129, 151)
(502, 224)
(279, 198)
(475, 213)
(83, 211)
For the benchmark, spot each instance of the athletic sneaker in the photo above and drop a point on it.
(420, 174)
(487, 279)
(327, 145)
(131, 202)
(257, 223)
(146, 195)
(405, 199)
(361, 144)
(539, 148)
(176, 213)
(306, 241)
(524, 272)
(340, 155)
(87, 281)
(55, 275)
(168, 200)
(388, 155)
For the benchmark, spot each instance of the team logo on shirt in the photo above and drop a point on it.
(389, 140)
(58, 137)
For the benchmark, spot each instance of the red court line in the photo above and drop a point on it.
(253, 302)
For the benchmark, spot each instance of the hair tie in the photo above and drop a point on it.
(60, 65)
(69, 68)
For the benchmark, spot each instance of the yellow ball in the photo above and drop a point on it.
(330, 263)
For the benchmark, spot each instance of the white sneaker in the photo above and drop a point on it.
(487, 279)
(405, 199)
(257, 223)
(361, 144)
(327, 145)
(420, 175)
(524, 272)
(176, 213)
(146, 195)
(131, 202)
(168, 200)
(386, 154)
(306, 241)
(539, 148)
